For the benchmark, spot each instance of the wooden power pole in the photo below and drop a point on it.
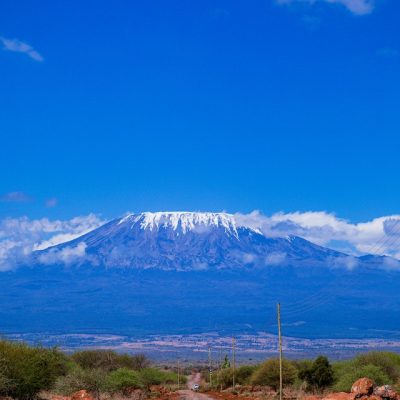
(280, 352)
(179, 374)
(210, 365)
(233, 363)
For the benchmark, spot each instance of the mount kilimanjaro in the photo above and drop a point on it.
(188, 241)
(186, 272)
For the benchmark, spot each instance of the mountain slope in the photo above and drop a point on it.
(187, 241)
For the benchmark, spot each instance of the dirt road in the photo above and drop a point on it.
(189, 394)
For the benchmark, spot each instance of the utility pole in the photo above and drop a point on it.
(210, 365)
(179, 374)
(220, 369)
(280, 352)
(233, 363)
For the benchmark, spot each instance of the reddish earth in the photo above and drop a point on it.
(228, 396)
(362, 389)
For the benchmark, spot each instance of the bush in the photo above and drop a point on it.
(152, 376)
(139, 362)
(386, 361)
(25, 371)
(123, 379)
(223, 378)
(268, 374)
(243, 374)
(318, 374)
(5, 383)
(109, 360)
(92, 380)
(349, 372)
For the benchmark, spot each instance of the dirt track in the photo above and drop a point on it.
(189, 394)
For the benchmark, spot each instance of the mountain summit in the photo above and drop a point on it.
(183, 222)
(185, 241)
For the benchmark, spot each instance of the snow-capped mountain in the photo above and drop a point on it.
(186, 241)
(188, 272)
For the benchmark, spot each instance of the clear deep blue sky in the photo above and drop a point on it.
(200, 105)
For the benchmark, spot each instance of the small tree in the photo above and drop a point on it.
(122, 380)
(348, 375)
(319, 374)
(109, 360)
(139, 361)
(92, 380)
(268, 374)
(226, 363)
(153, 376)
(25, 370)
(243, 375)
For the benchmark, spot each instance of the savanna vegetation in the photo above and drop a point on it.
(26, 372)
(316, 375)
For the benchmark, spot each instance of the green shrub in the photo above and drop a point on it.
(153, 376)
(25, 371)
(268, 374)
(92, 380)
(223, 378)
(5, 383)
(348, 372)
(381, 366)
(318, 374)
(109, 360)
(243, 374)
(123, 379)
(386, 361)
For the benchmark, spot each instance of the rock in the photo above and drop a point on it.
(340, 396)
(311, 397)
(362, 387)
(386, 392)
(81, 395)
(374, 397)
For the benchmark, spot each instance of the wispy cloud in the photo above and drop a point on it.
(357, 7)
(20, 236)
(17, 46)
(15, 197)
(378, 236)
(51, 203)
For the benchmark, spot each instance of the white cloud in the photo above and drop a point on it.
(20, 236)
(17, 46)
(66, 255)
(378, 236)
(15, 197)
(358, 7)
(276, 258)
(51, 203)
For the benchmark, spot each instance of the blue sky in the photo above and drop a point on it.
(214, 105)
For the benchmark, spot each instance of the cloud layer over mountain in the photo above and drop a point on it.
(20, 236)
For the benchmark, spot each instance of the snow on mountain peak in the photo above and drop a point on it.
(183, 220)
